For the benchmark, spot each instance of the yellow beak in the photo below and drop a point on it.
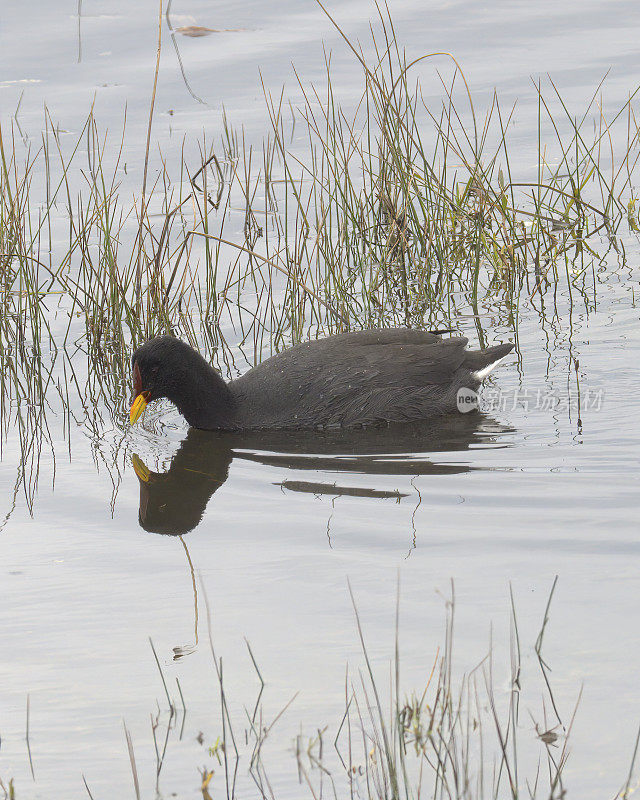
(138, 407)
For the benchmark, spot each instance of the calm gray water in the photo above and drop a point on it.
(543, 484)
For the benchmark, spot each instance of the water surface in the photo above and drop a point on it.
(543, 483)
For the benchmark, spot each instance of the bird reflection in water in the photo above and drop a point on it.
(173, 503)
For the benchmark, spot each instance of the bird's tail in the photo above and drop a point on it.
(482, 362)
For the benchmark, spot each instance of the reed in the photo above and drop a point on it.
(456, 736)
(395, 213)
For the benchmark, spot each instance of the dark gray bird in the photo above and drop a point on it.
(366, 378)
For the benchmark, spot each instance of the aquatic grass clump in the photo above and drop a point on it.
(409, 215)
(460, 735)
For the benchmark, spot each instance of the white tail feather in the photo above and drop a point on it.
(481, 374)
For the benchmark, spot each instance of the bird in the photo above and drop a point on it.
(348, 380)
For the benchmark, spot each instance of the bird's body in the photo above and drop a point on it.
(364, 378)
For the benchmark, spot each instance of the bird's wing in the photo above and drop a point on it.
(378, 381)
(353, 377)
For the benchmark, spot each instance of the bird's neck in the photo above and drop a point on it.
(207, 401)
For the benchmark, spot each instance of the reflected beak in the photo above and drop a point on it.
(138, 407)
(140, 469)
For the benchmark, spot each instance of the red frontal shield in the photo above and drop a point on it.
(137, 381)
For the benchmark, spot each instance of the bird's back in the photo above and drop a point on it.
(362, 378)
